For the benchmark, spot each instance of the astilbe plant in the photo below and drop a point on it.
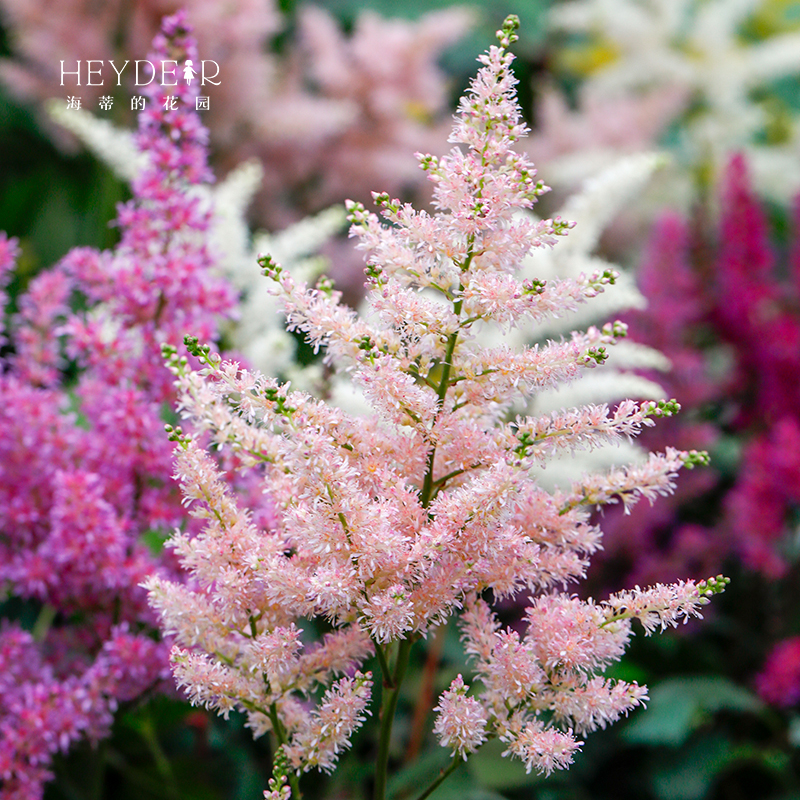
(389, 525)
(85, 478)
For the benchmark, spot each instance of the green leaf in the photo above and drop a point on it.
(495, 772)
(691, 778)
(154, 539)
(679, 706)
(461, 786)
(411, 780)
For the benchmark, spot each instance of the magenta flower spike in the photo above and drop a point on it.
(85, 472)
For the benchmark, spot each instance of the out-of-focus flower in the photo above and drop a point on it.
(325, 117)
(724, 307)
(779, 681)
(86, 496)
(705, 65)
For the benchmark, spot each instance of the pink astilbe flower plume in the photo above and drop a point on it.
(388, 525)
(84, 474)
(461, 722)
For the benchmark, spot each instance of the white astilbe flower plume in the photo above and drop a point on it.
(599, 200)
(592, 208)
(113, 145)
(390, 523)
(701, 51)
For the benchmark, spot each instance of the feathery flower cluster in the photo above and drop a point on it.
(85, 483)
(257, 330)
(388, 525)
(461, 721)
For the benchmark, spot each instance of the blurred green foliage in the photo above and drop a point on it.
(50, 198)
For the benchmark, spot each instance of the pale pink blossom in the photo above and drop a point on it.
(212, 684)
(597, 703)
(461, 720)
(342, 710)
(388, 614)
(663, 605)
(388, 524)
(274, 654)
(541, 748)
(568, 634)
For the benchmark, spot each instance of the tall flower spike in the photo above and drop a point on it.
(84, 475)
(389, 524)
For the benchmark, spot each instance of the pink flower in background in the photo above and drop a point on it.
(396, 103)
(778, 682)
(85, 476)
(726, 312)
(326, 118)
(724, 306)
(600, 128)
(9, 252)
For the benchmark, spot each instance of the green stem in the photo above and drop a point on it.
(447, 364)
(427, 483)
(391, 694)
(385, 671)
(280, 735)
(444, 385)
(43, 622)
(443, 774)
(391, 691)
(439, 481)
(97, 776)
(150, 735)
